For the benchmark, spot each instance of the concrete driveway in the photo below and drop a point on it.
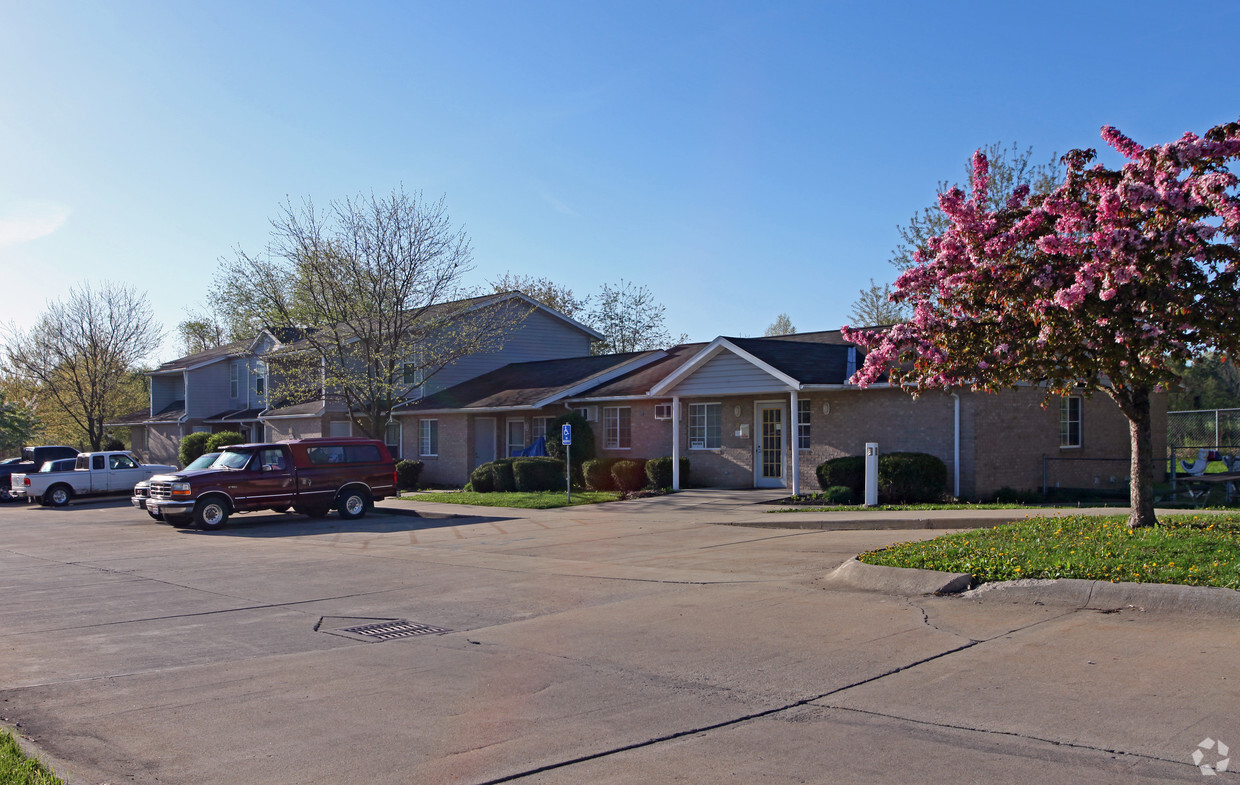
(631, 642)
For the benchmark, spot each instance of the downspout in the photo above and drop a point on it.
(956, 445)
(794, 438)
(675, 443)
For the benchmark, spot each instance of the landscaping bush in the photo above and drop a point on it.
(112, 444)
(659, 472)
(494, 477)
(223, 439)
(629, 475)
(597, 474)
(538, 474)
(192, 446)
(407, 474)
(848, 472)
(839, 494)
(583, 438)
(911, 477)
(903, 477)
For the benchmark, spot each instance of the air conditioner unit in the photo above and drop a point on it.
(590, 413)
(663, 411)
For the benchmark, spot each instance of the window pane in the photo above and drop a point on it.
(429, 437)
(516, 437)
(803, 423)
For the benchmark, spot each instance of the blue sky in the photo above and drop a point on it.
(740, 159)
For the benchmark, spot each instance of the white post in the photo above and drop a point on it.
(675, 443)
(795, 431)
(871, 474)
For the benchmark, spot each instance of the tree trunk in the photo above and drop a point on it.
(1141, 484)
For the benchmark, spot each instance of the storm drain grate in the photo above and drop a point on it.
(397, 628)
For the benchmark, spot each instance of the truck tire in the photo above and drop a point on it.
(58, 495)
(211, 513)
(353, 504)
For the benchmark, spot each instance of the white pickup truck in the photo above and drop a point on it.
(95, 473)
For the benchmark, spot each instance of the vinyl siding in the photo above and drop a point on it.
(540, 337)
(165, 390)
(208, 390)
(727, 374)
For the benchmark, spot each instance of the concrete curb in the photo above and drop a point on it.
(857, 575)
(1107, 596)
(1070, 592)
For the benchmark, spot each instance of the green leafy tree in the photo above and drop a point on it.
(17, 425)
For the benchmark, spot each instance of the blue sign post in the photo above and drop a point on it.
(566, 438)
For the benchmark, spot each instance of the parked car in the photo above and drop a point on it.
(142, 491)
(313, 476)
(94, 473)
(32, 458)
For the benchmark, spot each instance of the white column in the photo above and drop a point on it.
(675, 443)
(794, 430)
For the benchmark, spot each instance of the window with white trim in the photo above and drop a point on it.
(234, 380)
(391, 437)
(260, 379)
(588, 413)
(428, 437)
(412, 374)
(803, 424)
(516, 437)
(539, 427)
(617, 428)
(705, 426)
(663, 411)
(1070, 421)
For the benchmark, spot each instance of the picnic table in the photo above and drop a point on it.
(1198, 486)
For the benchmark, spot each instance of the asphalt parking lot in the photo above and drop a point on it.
(630, 642)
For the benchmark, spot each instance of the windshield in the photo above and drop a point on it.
(231, 460)
(202, 461)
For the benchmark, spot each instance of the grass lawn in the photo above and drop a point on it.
(17, 769)
(1198, 550)
(524, 501)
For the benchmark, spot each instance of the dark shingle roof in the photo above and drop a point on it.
(809, 362)
(234, 415)
(640, 381)
(522, 384)
(236, 349)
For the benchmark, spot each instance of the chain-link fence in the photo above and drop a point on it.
(1213, 429)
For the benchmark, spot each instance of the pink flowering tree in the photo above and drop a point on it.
(1107, 283)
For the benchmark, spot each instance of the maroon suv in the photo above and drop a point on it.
(312, 476)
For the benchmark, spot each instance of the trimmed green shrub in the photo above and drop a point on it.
(192, 446)
(659, 472)
(112, 444)
(848, 472)
(839, 494)
(629, 475)
(407, 474)
(534, 474)
(597, 474)
(911, 477)
(583, 438)
(493, 477)
(223, 439)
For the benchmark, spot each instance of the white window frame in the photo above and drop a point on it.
(701, 411)
(663, 411)
(805, 413)
(394, 447)
(1067, 421)
(621, 438)
(509, 444)
(260, 380)
(538, 427)
(589, 413)
(234, 380)
(428, 438)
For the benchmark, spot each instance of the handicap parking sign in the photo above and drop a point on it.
(567, 436)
